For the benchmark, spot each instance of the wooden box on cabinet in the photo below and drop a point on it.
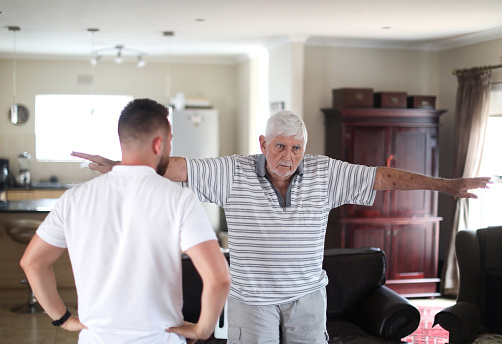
(353, 97)
(422, 102)
(402, 223)
(390, 99)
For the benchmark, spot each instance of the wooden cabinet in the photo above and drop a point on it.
(26, 194)
(402, 223)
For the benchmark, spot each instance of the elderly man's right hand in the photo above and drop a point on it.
(98, 163)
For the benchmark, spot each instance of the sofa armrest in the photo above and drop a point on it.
(386, 314)
(462, 321)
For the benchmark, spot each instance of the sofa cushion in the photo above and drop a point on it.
(352, 274)
(493, 292)
(192, 290)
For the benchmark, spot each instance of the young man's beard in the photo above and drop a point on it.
(162, 166)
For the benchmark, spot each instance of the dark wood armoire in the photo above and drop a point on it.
(404, 224)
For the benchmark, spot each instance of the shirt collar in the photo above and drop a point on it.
(261, 169)
(133, 170)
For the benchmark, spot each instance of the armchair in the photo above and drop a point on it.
(361, 309)
(479, 301)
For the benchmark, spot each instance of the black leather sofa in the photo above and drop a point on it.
(361, 309)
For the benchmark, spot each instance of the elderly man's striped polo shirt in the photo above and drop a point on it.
(276, 246)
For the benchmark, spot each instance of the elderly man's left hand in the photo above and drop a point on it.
(460, 187)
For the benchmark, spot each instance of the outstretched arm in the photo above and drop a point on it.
(37, 264)
(213, 269)
(176, 170)
(98, 163)
(388, 178)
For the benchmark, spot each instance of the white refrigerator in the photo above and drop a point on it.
(196, 135)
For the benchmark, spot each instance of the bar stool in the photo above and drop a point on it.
(21, 231)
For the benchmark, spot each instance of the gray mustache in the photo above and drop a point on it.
(285, 163)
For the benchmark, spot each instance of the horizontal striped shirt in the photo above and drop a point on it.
(276, 248)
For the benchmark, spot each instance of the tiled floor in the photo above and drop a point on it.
(31, 328)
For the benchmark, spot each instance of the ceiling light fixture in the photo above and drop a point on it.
(169, 35)
(93, 59)
(141, 63)
(118, 58)
(14, 117)
(118, 51)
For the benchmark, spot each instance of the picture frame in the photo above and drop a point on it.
(276, 106)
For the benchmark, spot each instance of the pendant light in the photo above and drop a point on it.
(18, 113)
(13, 108)
(169, 35)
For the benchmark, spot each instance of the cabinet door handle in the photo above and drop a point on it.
(389, 159)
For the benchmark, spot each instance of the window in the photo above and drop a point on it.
(485, 211)
(83, 123)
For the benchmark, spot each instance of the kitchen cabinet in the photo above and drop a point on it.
(27, 194)
(11, 252)
(404, 224)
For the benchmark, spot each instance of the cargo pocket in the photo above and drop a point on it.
(234, 335)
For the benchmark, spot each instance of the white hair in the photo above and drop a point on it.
(286, 123)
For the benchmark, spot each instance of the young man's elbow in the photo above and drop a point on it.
(225, 282)
(26, 263)
(221, 283)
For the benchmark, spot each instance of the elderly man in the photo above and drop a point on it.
(125, 232)
(276, 206)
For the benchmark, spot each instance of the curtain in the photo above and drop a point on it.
(471, 116)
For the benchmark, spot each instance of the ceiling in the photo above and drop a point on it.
(231, 29)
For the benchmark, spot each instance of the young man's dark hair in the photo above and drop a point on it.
(140, 118)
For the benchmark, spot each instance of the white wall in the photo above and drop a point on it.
(326, 68)
(216, 82)
(280, 75)
(286, 74)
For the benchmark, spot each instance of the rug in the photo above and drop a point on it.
(425, 333)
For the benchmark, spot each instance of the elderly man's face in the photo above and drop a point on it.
(284, 154)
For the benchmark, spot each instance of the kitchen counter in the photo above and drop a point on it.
(44, 185)
(32, 205)
(35, 191)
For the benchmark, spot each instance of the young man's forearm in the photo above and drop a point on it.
(37, 264)
(43, 284)
(214, 296)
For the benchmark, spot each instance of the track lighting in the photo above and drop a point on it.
(118, 58)
(119, 51)
(141, 63)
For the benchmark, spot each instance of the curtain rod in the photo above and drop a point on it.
(455, 71)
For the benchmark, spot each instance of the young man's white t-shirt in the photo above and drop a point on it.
(125, 231)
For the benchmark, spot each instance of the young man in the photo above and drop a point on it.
(125, 232)
(277, 205)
